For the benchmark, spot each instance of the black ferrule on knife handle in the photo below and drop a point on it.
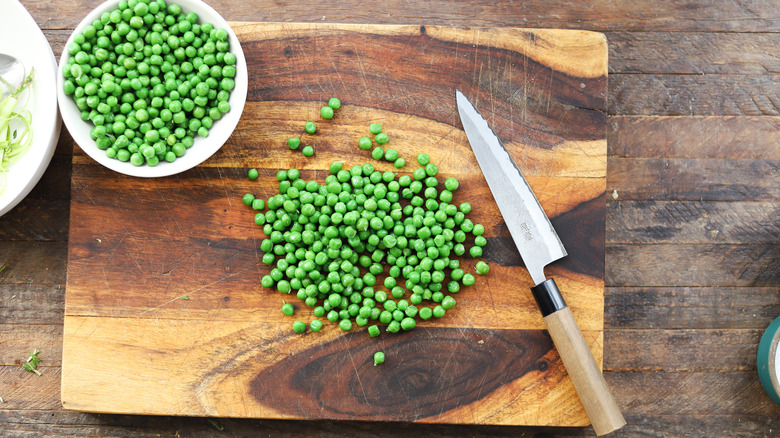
(548, 297)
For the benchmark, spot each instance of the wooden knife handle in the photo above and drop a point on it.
(603, 412)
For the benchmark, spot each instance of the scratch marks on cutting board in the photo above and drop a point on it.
(197, 289)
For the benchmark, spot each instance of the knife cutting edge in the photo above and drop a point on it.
(539, 245)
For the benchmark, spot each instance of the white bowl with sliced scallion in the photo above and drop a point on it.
(27, 140)
(133, 91)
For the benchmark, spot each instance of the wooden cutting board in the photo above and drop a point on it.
(134, 344)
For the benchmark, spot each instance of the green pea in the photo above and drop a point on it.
(375, 128)
(379, 358)
(335, 167)
(288, 309)
(227, 84)
(334, 103)
(399, 163)
(307, 151)
(310, 127)
(378, 153)
(448, 303)
(423, 159)
(482, 268)
(299, 326)
(364, 143)
(345, 325)
(315, 325)
(293, 143)
(408, 323)
(252, 174)
(394, 326)
(381, 138)
(247, 199)
(267, 281)
(326, 112)
(451, 184)
(373, 331)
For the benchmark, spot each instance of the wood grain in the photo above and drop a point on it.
(652, 392)
(694, 137)
(692, 179)
(691, 307)
(638, 52)
(38, 220)
(692, 222)
(687, 350)
(17, 385)
(189, 235)
(740, 15)
(32, 423)
(14, 350)
(55, 182)
(32, 304)
(692, 53)
(414, 386)
(224, 373)
(688, 265)
(26, 261)
(694, 95)
(729, 394)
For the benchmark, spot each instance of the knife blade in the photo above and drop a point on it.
(539, 245)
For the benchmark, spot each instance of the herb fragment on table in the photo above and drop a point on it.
(217, 425)
(32, 362)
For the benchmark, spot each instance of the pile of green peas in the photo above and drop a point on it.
(353, 252)
(150, 78)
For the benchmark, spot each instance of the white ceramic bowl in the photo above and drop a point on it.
(21, 37)
(203, 147)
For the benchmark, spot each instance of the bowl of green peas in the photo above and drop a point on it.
(151, 88)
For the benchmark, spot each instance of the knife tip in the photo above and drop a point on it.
(460, 98)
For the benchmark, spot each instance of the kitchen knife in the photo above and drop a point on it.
(539, 245)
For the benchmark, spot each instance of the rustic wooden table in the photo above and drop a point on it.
(692, 241)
